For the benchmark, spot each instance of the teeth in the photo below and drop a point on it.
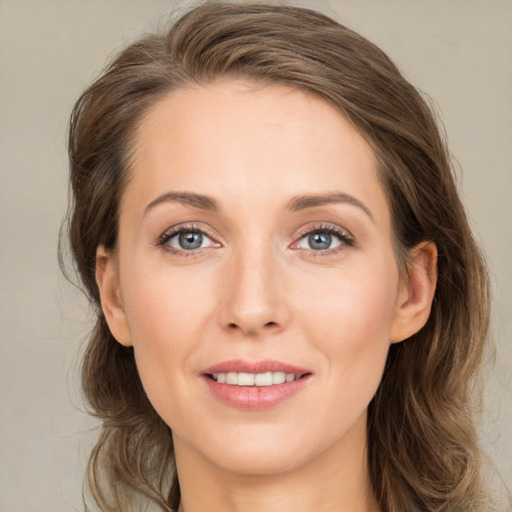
(231, 378)
(279, 377)
(254, 379)
(245, 379)
(263, 379)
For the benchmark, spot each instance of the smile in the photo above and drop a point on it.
(254, 379)
(255, 386)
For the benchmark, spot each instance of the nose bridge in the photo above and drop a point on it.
(251, 299)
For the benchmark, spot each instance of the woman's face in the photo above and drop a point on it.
(255, 275)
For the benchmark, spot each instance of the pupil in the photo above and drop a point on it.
(320, 241)
(190, 240)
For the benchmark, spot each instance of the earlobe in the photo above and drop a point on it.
(416, 293)
(107, 279)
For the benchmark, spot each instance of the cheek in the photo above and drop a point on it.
(351, 305)
(165, 306)
(349, 318)
(166, 314)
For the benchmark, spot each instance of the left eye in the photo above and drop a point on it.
(187, 240)
(319, 241)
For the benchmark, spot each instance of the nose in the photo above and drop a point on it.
(253, 297)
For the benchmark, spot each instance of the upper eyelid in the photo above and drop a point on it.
(178, 228)
(326, 227)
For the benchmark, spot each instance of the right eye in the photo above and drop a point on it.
(185, 240)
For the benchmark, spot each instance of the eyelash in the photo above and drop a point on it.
(345, 238)
(172, 232)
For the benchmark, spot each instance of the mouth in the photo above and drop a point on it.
(255, 385)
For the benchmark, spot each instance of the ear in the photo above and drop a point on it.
(416, 292)
(107, 279)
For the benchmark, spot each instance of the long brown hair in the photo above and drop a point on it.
(422, 442)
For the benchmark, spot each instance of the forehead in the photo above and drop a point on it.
(238, 138)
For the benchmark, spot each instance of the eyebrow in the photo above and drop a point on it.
(310, 201)
(297, 203)
(187, 198)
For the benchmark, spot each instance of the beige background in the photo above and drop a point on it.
(458, 51)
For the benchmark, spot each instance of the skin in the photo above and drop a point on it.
(258, 290)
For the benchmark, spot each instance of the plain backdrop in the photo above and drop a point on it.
(460, 52)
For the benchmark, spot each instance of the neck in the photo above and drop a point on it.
(336, 480)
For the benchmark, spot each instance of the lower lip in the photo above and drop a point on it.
(255, 398)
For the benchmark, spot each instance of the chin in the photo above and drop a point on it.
(259, 463)
(265, 451)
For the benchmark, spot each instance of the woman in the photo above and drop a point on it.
(292, 310)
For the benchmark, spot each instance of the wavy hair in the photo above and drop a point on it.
(422, 442)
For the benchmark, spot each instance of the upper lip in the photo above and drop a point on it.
(242, 366)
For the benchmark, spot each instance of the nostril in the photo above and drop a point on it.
(249, 330)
